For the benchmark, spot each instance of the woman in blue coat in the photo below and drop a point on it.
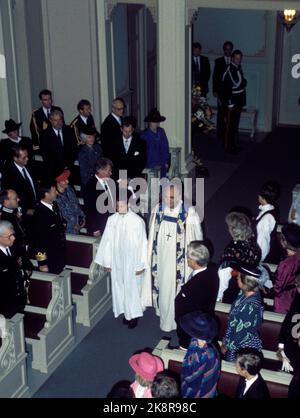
(157, 143)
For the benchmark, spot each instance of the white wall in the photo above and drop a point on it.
(71, 54)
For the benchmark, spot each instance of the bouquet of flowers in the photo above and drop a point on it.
(201, 111)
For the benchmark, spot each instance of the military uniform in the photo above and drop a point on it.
(234, 95)
(39, 122)
(13, 278)
(78, 126)
(49, 245)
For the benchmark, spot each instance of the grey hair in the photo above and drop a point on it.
(5, 226)
(83, 137)
(239, 226)
(55, 112)
(198, 253)
(251, 283)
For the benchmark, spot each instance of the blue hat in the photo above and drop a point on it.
(200, 325)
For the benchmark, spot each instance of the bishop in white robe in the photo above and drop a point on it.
(123, 251)
(171, 230)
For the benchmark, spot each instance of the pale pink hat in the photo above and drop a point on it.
(146, 365)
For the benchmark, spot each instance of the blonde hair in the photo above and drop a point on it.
(239, 226)
(143, 382)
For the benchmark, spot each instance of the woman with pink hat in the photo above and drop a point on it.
(146, 367)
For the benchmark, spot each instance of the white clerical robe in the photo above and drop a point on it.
(167, 264)
(123, 248)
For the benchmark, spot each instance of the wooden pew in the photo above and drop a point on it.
(13, 372)
(91, 290)
(48, 320)
(277, 382)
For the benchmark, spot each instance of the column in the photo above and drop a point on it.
(103, 61)
(173, 76)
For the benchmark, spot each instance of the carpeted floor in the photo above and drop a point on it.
(102, 357)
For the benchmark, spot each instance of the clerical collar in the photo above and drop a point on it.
(175, 210)
(7, 210)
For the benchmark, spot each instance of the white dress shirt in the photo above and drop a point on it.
(264, 229)
(46, 111)
(48, 205)
(4, 250)
(84, 119)
(20, 168)
(118, 119)
(126, 143)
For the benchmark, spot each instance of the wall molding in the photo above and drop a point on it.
(151, 5)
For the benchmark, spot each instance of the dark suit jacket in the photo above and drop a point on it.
(77, 124)
(110, 133)
(12, 279)
(11, 217)
(219, 70)
(13, 179)
(55, 155)
(199, 293)
(49, 238)
(234, 75)
(258, 390)
(7, 144)
(38, 123)
(135, 159)
(95, 221)
(201, 78)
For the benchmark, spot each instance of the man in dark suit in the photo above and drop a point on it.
(110, 128)
(251, 384)
(40, 117)
(49, 244)
(234, 93)
(83, 120)
(9, 212)
(99, 198)
(18, 177)
(200, 292)
(58, 146)
(15, 270)
(130, 151)
(221, 65)
(12, 130)
(200, 69)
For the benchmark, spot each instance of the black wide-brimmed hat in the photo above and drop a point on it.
(200, 325)
(88, 130)
(10, 126)
(154, 116)
(246, 269)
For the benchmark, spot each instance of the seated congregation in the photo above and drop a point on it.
(65, 216)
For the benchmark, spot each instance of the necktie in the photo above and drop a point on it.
(48, 113)
(198, 63)
(28, 181)
(59, 137)
(126, 145)
(8, 252)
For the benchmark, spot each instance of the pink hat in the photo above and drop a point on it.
(146, 365)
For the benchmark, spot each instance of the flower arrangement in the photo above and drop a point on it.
(201, 111)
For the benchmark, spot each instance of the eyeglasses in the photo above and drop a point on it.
(8, 236)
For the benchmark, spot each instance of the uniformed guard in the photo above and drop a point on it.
(40, 117)
(234, 97)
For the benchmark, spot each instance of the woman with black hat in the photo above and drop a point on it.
(12, 130)
(201, 367)
(246, 314)
(157, 143)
